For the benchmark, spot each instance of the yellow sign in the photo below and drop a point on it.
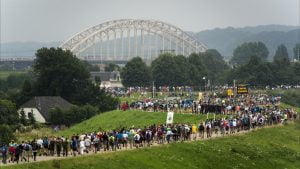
(229, 92)
(242, 89)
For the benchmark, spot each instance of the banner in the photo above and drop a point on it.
(170, 118)
(200, 96)
(229, 92)
(242, 89)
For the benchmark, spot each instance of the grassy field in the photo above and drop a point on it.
(35, 133)
(291, 96)
(272, 148)
(118, 119)
(286, 106)
(5, 74)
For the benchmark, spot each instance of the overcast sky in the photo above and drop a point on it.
(56, 20)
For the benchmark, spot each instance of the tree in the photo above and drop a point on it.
(281, 54)
(255, 72)
(6, 134)
(90, 67)
(8, 113)
(197, 69)
(136, 73)
(296, 72)
(162, 71)
(98, 80)
(13, 81)
(214, 64)
(60, 73)
(73, 115)
(112, 67)
(242, 53)
(56, 116)
(281, 66)
(180, 70)
(31, 119)
(25, 94)
(23, 118)
(297, 52)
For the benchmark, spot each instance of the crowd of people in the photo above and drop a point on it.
(207, 104)
(235, 115)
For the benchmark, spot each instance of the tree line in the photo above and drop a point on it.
(249, 65)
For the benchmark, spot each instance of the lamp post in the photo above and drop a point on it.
(204, 78)
(298, 54)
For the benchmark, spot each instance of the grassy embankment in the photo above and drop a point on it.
(277, 147)
(291, 96)
(118, 119)
(114, 120)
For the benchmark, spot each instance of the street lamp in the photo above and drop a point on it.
(204, 78)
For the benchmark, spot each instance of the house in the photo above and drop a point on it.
(108, 79)
(40, 106)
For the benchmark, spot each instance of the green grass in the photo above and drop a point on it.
(35, 133)
(291, 96)
(118, 119)
(5, 74)
(269, 148)
(286, 106)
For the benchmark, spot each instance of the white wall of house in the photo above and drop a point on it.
(109, 84)
(37, 115)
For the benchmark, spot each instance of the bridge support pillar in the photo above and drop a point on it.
(128, 50)
(142, 39)
(122, 49)
(107, 47)
(135, 37)
(115, 44)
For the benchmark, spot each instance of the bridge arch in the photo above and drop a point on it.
(127, 38)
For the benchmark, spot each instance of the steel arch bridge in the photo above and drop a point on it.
(121, 40)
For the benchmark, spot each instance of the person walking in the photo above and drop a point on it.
(81, 147)
(105, 142)
(137, 138)
(58, 146)
(74, 146)
(168, 135)
(4, 151)
(65, 146)
(201, 130)
(18, 152)
(194, 132)
(27, 149)
(52, 146)
(11, 151)
(35, 148)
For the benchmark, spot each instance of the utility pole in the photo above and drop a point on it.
(204, 78)
(299, 54)
(234, 90)
(153, 89)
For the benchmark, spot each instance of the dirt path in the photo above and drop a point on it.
(47, 158)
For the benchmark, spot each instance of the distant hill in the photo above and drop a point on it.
(225, 40)
(12, 49)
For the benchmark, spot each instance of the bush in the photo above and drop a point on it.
(6, 134)
(290, 97)
(72, 115)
